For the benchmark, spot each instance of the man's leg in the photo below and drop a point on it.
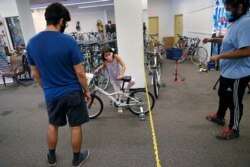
(79, 156)
(224, 98)
(236, 108)
(224, 94)
(52, 138)
(76, 138)
(77, 115)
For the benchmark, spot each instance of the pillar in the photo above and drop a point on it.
(129, 28)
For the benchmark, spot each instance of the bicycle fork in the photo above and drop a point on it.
(142, 115)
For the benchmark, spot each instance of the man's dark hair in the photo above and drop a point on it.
(54, 12)
(235, 4)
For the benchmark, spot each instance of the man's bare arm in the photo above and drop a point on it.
(240, 53)
(35, 73)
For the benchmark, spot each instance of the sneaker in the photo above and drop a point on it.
(120, 111)
(51, 159)
(214, 118)
(228, 134)
(84, 155)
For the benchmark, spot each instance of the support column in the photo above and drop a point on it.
(26, 19)
(21, 8)
(129, 28)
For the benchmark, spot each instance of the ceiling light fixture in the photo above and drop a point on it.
(71, 4)
(82, 3)
(84, 7)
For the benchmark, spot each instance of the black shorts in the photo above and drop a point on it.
(71, 106)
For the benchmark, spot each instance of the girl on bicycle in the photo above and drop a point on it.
(116, 69)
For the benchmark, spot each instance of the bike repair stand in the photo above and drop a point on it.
(176, 73)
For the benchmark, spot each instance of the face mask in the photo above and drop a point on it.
(229, 16)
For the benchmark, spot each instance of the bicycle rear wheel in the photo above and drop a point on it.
(141, 96)
(23, 75)
(95, 106)
(200, 56)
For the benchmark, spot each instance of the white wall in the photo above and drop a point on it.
(8, 8)
(163, 9)
(110, 16)
(197, 18)
(87, 18)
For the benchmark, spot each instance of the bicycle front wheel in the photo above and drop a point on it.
(156, 85)
(141, 96)
(23, 75)
(200, 56)
(103, 81)
(95, 107)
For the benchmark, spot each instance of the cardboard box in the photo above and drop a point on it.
(168, 41)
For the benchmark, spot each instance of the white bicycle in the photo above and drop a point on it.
(136, 101)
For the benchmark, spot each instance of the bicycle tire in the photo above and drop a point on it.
(23, 75)
(103, 81)
(95, 106)
(155, 85)
(140, 94)
(154, 60)
(200, 56)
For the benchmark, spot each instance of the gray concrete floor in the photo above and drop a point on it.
(184, 137)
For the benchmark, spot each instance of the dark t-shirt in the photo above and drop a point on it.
(55, 54)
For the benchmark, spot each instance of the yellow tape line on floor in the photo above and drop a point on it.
(157, 159)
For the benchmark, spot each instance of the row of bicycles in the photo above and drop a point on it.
(191, 50)
(154, 51)
(92, 36)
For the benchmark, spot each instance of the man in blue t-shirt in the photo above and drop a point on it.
(56, 64)
(235, 67)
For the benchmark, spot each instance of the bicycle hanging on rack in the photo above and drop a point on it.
(136, 101)
(92, 54)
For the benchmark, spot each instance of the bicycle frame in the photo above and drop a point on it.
(118, 102)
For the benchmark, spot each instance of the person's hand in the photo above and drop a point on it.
(87, 96)
(215, 58)
(96, 71)
(206, 40)
(119, 77)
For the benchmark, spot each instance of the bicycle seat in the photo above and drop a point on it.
(126, 78)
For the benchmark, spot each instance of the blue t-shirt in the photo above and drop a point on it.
(237, 36)
(55, 54)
